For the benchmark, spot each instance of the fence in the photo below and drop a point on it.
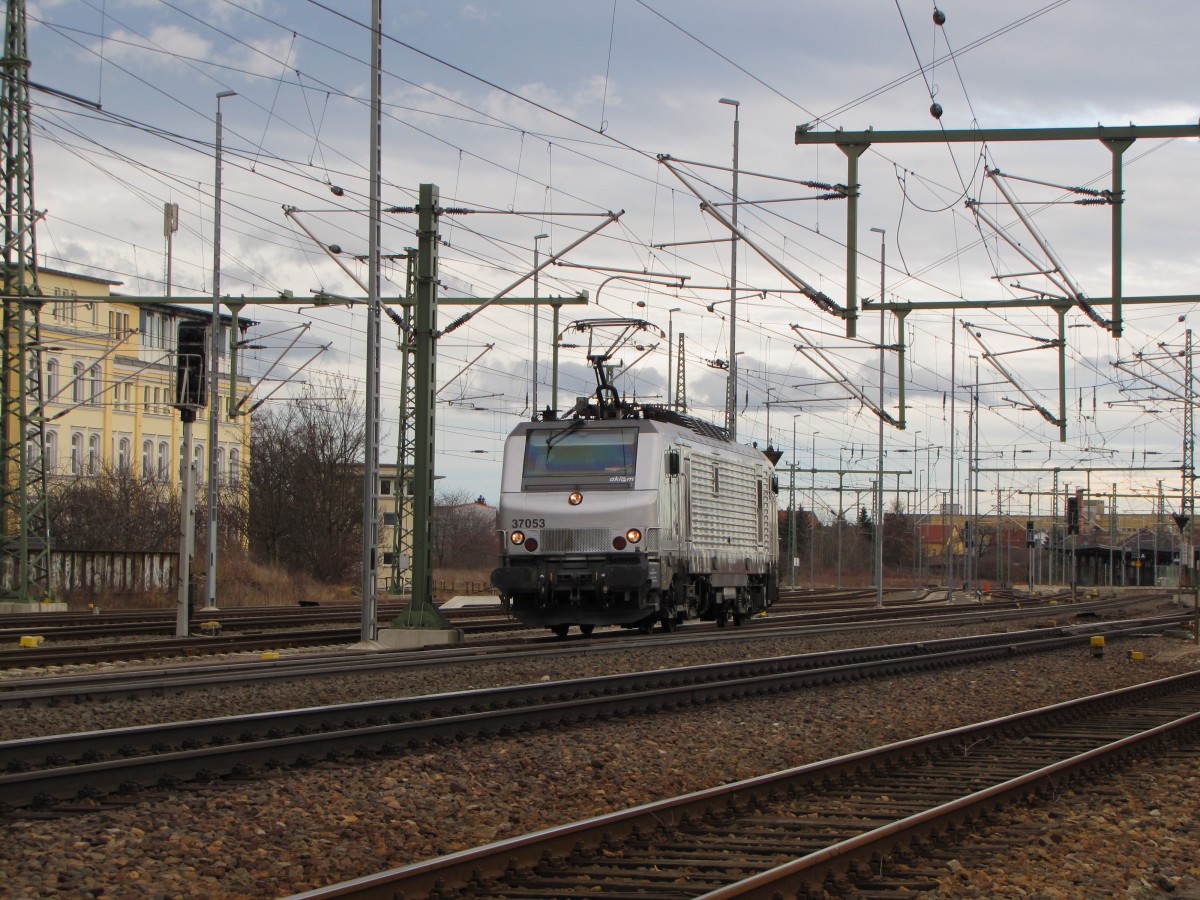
(108, 571)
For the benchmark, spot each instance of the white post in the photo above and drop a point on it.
(537, 314)
(214, 394)
(879, 465)
(731, 400)
(187, 525)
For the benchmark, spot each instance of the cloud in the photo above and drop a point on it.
(166, 43)
(266, 57)
(473, 12)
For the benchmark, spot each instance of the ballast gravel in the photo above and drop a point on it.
(1133, 836)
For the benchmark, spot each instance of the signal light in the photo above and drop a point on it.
(191, 360)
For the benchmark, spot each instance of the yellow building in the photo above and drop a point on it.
(109, 382)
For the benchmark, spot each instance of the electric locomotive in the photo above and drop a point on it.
(634, 515)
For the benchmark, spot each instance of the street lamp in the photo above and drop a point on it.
(812, 505)
(879, 465)
(536, 318)
(792, 507)
(670, 342)
(214, 395)
(731, 400)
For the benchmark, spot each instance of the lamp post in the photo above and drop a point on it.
(792, 508)
(670, 344)
(214, 395)
(879, 464)
(841, 516)
(731, 400)
(812, 505)
(536, 318)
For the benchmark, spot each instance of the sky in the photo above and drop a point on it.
(543, 116)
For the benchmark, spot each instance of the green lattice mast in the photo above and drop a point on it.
(26, 535)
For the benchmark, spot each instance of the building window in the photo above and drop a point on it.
(164, 460)
(94, 385)
(118, 325)
(182, 460)
(51, 451)
(51, 379)
(76, 452)
(198, 463)
(385, 486)
(219, 474)
(93, 457)
(147, 460)
(77, 384)
(389, 518)
(123, 451)
(235, 467)
(153, 329)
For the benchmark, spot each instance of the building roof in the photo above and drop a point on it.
(62, 273)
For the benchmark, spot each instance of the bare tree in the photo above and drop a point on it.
(306, 482)
(113, 510)
(464, 532)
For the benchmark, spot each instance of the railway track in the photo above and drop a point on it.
(44, 770)
(177, 678)
(863, 824)
(76, 626)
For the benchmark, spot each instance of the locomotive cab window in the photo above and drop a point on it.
(579, 455)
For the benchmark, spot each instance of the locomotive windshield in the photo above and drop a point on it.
(581, 455)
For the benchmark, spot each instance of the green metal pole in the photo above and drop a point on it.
(853, 152)
(1117, 147)
(421, 612)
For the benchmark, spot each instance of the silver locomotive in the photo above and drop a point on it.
(631, 514)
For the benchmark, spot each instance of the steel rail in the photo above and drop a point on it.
(177, 750)
(176, 678)
(557, 855)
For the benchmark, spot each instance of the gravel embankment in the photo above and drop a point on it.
(294, 831)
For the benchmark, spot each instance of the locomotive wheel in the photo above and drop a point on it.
(587, 629)
(722, 617)
(560, 630)
(669, 622)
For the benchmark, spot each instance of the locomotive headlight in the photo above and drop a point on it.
(517, 537)
(633, 535)
(575, 499)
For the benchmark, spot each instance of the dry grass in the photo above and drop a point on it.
(449, 583)
(243, 582)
